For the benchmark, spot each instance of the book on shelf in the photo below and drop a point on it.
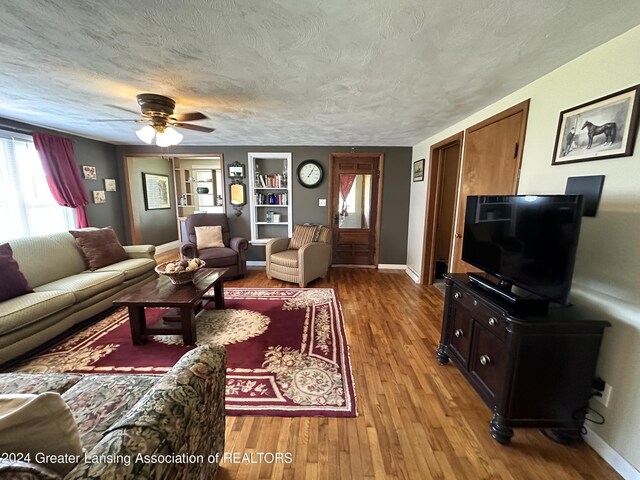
(277, 180)
(271, 198)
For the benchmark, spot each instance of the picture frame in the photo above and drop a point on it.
(109, 184)
(602, 128)
(156, 192)
(236, 170)
(418, 170)
(89, 172)
(99, 196)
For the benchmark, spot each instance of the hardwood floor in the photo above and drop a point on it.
(417, 419)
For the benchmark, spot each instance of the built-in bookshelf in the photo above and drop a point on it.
(269, 196)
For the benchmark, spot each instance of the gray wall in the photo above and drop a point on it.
(156, 226)
(395, 190)
(102, 156)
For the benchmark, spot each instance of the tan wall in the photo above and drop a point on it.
(607, 267)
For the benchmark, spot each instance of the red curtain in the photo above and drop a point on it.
(62, 173)
(346, 182)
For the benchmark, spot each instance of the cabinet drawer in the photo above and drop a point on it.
(492, 319)
(488, 362)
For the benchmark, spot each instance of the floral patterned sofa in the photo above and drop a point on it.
(178, 416)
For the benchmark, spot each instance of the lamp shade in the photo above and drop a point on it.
(175, 136)
(170, 136)
(146, 133)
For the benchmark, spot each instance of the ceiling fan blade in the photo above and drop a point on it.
(188, 126)
(138, 120)
(188, 117)
(123, 109)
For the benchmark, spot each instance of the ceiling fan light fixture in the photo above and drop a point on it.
(167, 137)
(146, 134)
(174, 136)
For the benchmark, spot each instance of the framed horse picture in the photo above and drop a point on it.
(599, 129)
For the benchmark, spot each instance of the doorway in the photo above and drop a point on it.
(196, 183)
(491, 166)
(444, 167)
(355, 207)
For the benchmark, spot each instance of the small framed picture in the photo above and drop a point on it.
(236, 170)
(418, 170)
(99, 196)
(602, 128)
(89, 172)
(110, 184)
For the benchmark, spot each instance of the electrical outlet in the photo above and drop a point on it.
(322, 202)
(606, 395)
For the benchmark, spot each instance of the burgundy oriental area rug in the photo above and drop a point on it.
(287, 352)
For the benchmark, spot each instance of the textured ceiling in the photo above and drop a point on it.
(287, 72)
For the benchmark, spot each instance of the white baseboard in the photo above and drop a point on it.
(256, 263)
(390, 266)
(610, 456)
(415, 276)
(165, 247)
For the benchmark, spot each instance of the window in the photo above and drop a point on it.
(355, 210)
(26, 204)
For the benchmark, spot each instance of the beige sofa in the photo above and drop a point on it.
(65, 292)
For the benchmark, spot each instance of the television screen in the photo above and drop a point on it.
(527, 240)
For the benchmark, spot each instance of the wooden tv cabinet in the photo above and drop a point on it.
(531, 371)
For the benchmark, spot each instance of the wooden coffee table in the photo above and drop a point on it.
(186, 300)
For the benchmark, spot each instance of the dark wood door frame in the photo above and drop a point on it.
(436, 169)
(378, 213)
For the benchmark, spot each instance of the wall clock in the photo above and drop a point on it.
(310, 173)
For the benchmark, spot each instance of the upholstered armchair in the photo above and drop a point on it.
(303, 257)
(230, 252)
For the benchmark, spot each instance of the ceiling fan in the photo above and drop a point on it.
(157, 110)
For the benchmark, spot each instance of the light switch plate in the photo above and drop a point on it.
(322, 202)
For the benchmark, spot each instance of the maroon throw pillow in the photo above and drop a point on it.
(12, 281)
(99, 247)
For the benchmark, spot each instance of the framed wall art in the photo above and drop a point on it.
(89, 172)
(110, 184)
(602, 128)
(236, 170)
(156, 191)
(99, 196)
(418, 170)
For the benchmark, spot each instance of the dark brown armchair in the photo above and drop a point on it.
(231, 256)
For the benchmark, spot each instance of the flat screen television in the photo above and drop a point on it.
(525, 240)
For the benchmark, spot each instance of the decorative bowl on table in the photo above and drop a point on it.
(180, 272)
(202, 190)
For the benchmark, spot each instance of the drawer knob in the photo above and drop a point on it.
(457, 295)
(458, 333)
(485, 360)
(493, 321)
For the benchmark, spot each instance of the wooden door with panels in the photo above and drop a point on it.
(491, 166)
(355, 207)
